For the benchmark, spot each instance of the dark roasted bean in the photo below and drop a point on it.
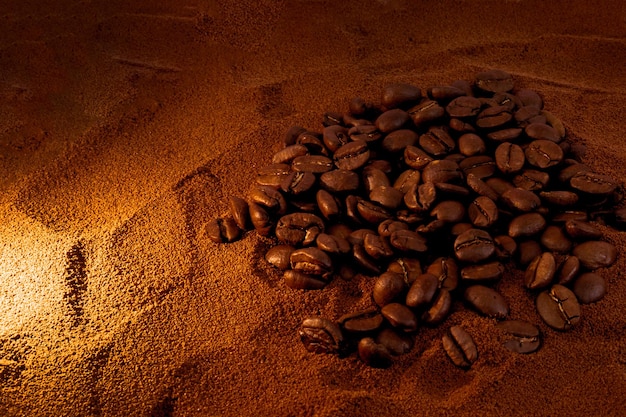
(301, 281)
(471, 144)
(273, 175)
(332, 244)
(408, 241)
(376, 246)
(487, 301)
(374, 354)
(327, 204)
(312, 163)
(542, 131)
(365, 321)
(389, 287)
(483, 212)
(589, 288)
(321, 335)
(311, 261)
(392, 120)
(298, 182)
(582, 230)
(240, 211)
(529, 98)
(558, 307)
(463, 107)
(422, 291)
(460, 347)
(475, 245)
(559, 198)
(441, 170)
(222, 230)
(505, 245)
(509, 158)
(299, 229)
(340, 181)
(352, 155)
(540, 271)
(555, 240)
(531, 180)
(397, 140)
(260, 219)
(400, 95)
(520, 199)
(482, 166)
(428, 111)
(396, 343)
(437, 142)
(416, 158)
(524, 337)
(400, 317)
(592, 183)
(527, 224)
(388, 197)
(279, 256)
(494, 81)
(491, 271)
(439, 309)
(543, 153)
(595, 254)
(288, 154)
(406, 180)
(568, 270)
(335, 137)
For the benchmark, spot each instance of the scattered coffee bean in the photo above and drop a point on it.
(595, 254)
(487, 301)
(589, 288)
(460, 347)
(374, 354)
(524, 337)
(540, 272)
(558, 307)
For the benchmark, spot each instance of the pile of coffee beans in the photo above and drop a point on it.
(432, 193)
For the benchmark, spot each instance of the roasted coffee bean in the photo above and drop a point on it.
(372, 212)
(445, 93)
(524, 337)
(543, 153)
(298, 182)
(486, 301)
(482, 166)
(374, 354)
(313, 142)
(312, 163)
(269, 197)
(520, 199)
(400, 95)
(537, 131)
(299, 229)
(432, 227)
(509, 158)
(352, 155)
(364, 260)
(377, 247)
(531, 180)
(480, 187)
(540, 271)
(475, 245)
(420, 197)
(483, 212)
(510, 101)
(222, 230)
(527, 224)
(408, 241)
(493, 117)
(441, 170)
(406, 180)
(240, 211)
(279, 256)
(505, 135)
(454, 191)
(491, 271)
(559, 198)
(386, 228)
(273, 175)
(292, 134)
(567, 173)
(397, 140)
(333, 244)
(392, 120)
(409, 268)
(428, 111)
(595, 254)
(446, 270)
(301, 281)
(582, 230)
(439, 309)
(358, 106)
(460, 126)
(471, 144)
(327, 204)
(589, 288)
(463, 107)
(366, 132)
(555, 122)
(527, 251)
(357, 237)
(437, 142)
(365, 321)
(505, 245)
(527, 115)
(494, 81)
(422, 291)
(416, 158)
(529, 98)
(260, 219)
(387, 197)
(396, 343)
(320, 335)
(569, 215)
(373, 178)
(568, 270)
(303, 204)
(558, 307)
(400, 317)
(351, 209)
(288, 154)
(335, 137)
(592, 183)
(332, 119)
(460, 347)
(555, 240)
(340, 181)
(311, 261)
(389, 287)
(449, 211)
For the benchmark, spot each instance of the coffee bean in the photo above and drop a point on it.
(273, 175)
(332, 244)
(568, 270)
(406, 180)
(313, 142)
(320, 335)
(480, 187)
(335, 137)
(449, 211)
(222, 230)
(392, 120)
(386, 228)
(460, 347)
(299, 229)
(483, 212)
(408, 241)
(445, 93)
(471, 144)
(528, 114)
(366, 132)
(372, 212)
(377, 246)
(364, 260)
(568, 172)
(268, 197)
(374, 354)
(595, 254)
(396, 343)
(491, 271)
(554, 239)
(397, 140)
(482, 166)
(493, 117)
(505, 135)
(582, 230)
(279, 256)
(527, 224)
(463, 107)
(409, 268)
(352, 155)
(569, 215)
(486, 301)
(360, 322)
(288, 154)
(373, 178)
(592, 183)
(529, 98)
(240, 211)
(437, 142)
(428, 111)
(400, 95)
(509, 158)
(301, 281)
(559, 198)
(494, 81)
(388, 197)
(543, 153)
(521, 200)
(400, 317)
(260, 219)
(589, 288)
(422, 291)
(542, 131)
(540, 271)
(416, 158)
(454, 191)
(558, 307)
(528, 250)
(474, 245)
(311, 261)
(327, 204)
(312, 163)
(292, 134)
(524, 337)
(298, 182)
(531, 180)
(420, 197)
(441, 170)
(340, 181)
(439, 309)
(461, 126)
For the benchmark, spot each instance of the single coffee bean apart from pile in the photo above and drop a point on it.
(558, 307)
(320, 335)
(460, 347)
(523, 337)
(589, 288)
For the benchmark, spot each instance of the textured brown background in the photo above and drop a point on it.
(124, 127)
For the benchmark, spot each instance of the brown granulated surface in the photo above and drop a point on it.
(127, 125)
